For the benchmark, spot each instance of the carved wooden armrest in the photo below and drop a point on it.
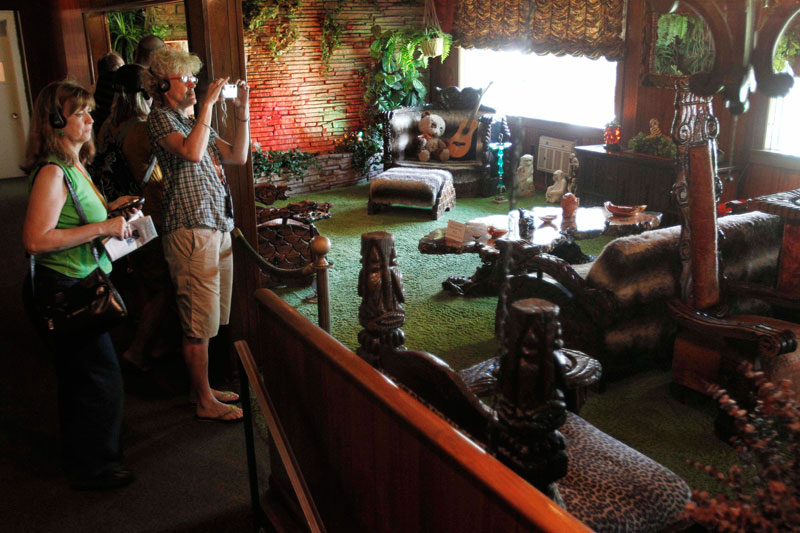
(771, 342)
(762, 292)
(601, 304)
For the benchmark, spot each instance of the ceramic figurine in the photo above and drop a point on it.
(526, 221)
(574, 164)
(557, 189)
(569, 204)
(523, 176)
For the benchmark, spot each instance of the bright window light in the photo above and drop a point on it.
(573, 90)
(783, 128)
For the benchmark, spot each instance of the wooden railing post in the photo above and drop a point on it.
(320, 246)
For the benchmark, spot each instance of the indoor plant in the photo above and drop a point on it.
(764, 491)
(271, 165)
(659, 146)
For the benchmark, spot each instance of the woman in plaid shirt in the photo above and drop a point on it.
(198, 212)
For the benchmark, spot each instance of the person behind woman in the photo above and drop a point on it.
(104, 92)
(198, 212)
(89, 382)
(127, 126)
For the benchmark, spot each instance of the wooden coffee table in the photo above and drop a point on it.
(552, 234)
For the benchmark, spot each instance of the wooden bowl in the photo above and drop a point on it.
(496, 233)
(624, 210)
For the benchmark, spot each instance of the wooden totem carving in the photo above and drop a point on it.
(531, 407)
(380, 285)
(697, 189)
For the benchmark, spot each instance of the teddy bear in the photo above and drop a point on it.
(429, 143)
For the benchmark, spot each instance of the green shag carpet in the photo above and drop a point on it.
(639, 410)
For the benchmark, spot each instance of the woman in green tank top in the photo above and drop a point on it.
(89, 380)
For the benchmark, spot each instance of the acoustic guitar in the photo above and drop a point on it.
(462, 140)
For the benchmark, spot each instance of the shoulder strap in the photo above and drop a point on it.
(81, 215)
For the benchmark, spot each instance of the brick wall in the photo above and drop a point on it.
(172, 14)
(295, 103)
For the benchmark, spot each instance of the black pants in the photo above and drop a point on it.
(90, 393)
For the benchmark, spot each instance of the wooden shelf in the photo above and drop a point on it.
(626, 178)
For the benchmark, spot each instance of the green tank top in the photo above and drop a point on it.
(78, 261)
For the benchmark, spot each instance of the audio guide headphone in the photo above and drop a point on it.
(57, 120)
(162, 85)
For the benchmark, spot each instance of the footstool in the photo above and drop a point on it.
(421, 187)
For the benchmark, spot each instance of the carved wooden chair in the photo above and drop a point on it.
(715, 337)
(617, 307)
(284, 238)
(601, 481)
(471, 174)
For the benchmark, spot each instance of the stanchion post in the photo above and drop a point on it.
(320, 246)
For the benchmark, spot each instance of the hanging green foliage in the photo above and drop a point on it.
(683, 46)
(395, 78)
(272, 23)
(331, 37)
(788, 48)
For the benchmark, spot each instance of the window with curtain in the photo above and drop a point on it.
(572, 90)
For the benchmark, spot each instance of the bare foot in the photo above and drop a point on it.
(223, 396)
(219, 412)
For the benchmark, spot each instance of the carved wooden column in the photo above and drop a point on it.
(531, 406)
(380, 286)
(697, 189)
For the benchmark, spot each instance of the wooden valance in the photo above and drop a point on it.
(591, 28)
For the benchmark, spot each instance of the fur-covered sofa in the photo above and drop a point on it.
(454, 105)
(615, 308)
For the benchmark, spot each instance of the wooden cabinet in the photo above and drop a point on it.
(626, 178)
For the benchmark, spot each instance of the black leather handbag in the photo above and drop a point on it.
(92, 304)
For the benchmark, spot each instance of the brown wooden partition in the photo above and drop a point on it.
(376, 459)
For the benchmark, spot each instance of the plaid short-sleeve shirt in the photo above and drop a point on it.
(195, 194)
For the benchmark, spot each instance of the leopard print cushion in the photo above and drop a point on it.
(612, 487)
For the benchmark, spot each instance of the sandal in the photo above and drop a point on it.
(228, 417)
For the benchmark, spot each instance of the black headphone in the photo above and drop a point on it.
(57, 120)
(162, 85)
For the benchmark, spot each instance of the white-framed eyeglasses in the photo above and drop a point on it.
(185, 78)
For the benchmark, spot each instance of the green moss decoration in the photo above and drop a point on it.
(660, 146)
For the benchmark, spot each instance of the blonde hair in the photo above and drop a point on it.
(165, 63)
(59, 97)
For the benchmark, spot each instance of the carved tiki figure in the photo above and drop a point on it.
(380, 286)
(532, 408)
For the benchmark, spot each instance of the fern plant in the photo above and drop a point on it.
(683, 45)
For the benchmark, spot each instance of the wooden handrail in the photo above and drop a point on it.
(320, 246)
(313, 352)
(313, 520)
